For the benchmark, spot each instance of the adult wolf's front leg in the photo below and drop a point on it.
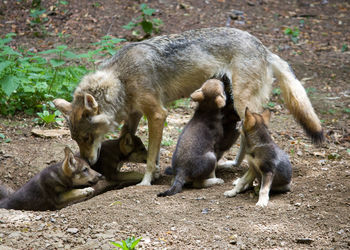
(156, 116)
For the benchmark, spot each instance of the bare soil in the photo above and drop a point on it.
(315, 214)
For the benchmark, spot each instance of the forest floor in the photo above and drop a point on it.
(315, 214)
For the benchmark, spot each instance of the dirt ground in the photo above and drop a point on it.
(315, 214)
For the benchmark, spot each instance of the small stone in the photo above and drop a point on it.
(53, 220)
(39, 217)
(205, 211)
(72, 230)
(304, 241)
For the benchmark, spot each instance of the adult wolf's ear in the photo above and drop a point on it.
(126, 144)
(63, 106)
(266, 116)
(90, 104)
(69, 162)
(197, 96)
(249, 120)
(220, 101)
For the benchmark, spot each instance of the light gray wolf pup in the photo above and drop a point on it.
(142, 77)
(196, 152)
(267, 162)
(54, 187)
(127, 148)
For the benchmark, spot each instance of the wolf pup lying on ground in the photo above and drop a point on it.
(196, 152)
(267, 162)
(142, 77)
(54, 187)
(127, 148)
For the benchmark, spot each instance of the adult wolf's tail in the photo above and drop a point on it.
(296, 99)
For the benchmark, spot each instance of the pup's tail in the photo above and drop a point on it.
(169, 171)
(296, 99)
(175, 188)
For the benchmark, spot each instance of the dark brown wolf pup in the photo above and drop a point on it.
(267, 162)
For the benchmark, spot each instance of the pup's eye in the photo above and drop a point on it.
(85, 170)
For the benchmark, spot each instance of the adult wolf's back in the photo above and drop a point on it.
(143, 77)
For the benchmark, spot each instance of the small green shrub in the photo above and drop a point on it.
(128, 244)
(28, 79)
(293, 34)
(145, 22)
(49, 115)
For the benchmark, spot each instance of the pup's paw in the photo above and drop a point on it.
(88, 191)
(230, 193)
(226, 165)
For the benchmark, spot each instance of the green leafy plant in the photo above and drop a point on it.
(27, 79)
(344, 47)
(293, 34)
(4, 139)
(181, 103)
(49, 115)
(128, 244)
(167, 142)
(107, 46)
(148, 25)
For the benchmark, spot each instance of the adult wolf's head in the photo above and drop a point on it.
(87, 123)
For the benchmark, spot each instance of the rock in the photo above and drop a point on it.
(72, 230)
(304, 241)
(205, 211)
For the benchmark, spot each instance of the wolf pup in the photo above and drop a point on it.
(267, 162)
(195, 156)
(142, 77)
(55, 187)
(127, 148)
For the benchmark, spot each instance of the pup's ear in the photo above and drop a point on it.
(90, 104)
(249, 120)
(266, 116)
(63, 106)
(220, 101)
(197, 96)
(126, 144)
(69, 162)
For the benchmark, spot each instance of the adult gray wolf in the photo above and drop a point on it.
(267, 162)
(143, 76)
(54, 187)
(195, 156)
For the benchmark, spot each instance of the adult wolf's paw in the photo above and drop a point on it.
(230, 193)
(262, 203)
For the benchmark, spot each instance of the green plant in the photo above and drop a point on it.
(27, 79)
(167, 142)
(128, 244)
(107, 46)
(344, 47)
(149, 25)
(48, 117)
(4, 139)
(276, 91)
(184, 102)
(293, 34)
